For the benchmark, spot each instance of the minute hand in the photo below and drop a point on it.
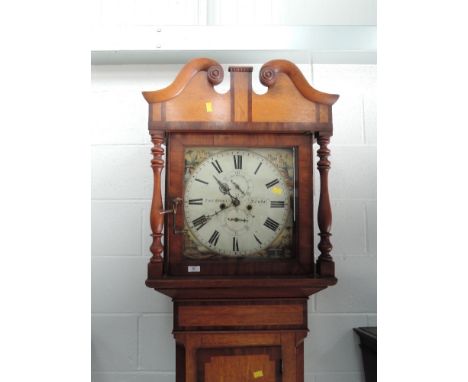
(218, 211)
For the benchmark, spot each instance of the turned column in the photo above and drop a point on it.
(325, 264)
(155, 266)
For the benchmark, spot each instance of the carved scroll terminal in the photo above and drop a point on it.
(215, 74)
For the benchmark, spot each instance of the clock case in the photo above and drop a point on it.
(190, 112)
(302, 245)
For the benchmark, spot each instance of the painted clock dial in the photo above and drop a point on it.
(236, 202)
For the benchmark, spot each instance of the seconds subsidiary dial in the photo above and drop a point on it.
(236, 203)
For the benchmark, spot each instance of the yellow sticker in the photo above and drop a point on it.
(258, 374)
(277, 190)
(209, 107)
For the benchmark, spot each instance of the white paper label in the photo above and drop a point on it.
(194, 268)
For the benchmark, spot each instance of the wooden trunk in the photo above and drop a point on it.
(240, 340)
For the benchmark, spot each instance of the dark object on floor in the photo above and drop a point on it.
(368, 337)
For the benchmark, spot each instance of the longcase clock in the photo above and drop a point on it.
(233, 242)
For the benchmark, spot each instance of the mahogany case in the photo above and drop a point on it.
(240, 320)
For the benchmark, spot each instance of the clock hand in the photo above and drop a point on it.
(224, 188)
(217, 212)
(237, 187)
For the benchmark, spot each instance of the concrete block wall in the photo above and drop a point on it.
(131, 324)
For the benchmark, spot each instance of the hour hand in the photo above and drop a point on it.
(223, 187)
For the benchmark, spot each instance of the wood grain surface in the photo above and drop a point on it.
(191, 98)
(253, 314)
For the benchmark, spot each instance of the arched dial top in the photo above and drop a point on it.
(236, 203)
(215, 74)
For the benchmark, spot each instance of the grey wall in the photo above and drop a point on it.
(234, 12)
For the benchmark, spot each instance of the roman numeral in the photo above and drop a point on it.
(270, 223)
(258, 167)
(217, 166)
(238, 162)
(277, 204)
(197, 202)
(214, 238)
(235, 244)
(200, 222)
(201, 181)
(272, 183)
(258, 240)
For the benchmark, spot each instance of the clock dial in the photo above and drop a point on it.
(236, 202)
